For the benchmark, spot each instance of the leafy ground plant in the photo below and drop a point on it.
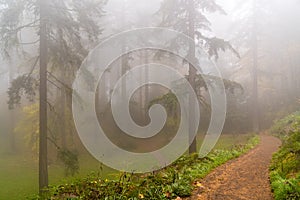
(285, 167)
(177, 180)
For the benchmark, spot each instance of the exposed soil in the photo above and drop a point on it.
(244, 178)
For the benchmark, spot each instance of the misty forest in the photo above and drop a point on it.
(216, 82)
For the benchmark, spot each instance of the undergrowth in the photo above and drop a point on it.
(177, 180)
(285, 167)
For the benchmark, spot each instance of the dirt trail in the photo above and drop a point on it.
(244, 178)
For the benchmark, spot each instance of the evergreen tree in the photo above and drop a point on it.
(189, 17)
(249, 34)
(62, 32)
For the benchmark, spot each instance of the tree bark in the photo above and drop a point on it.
(43, 167)
(12, 115)
(63, 123)
(146, 91)
(191, 77)
(255, 114)
(124, 56)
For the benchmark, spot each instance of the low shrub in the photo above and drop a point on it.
(285, 166)
(177, 180)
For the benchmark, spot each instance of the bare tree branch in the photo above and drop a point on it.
(29, 25)
(61, 82)
(54, 84)
(29, 43)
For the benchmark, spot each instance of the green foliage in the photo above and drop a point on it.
(29, 128)
(68, 25)
(285, 167)
(284, 127)
(285, 188)
(23, 85)
(177, 180)
(70, 161)
(169, 101)
(214, 45)
(176, 14)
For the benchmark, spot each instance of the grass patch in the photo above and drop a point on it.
(177, 180)
(19, 172)
(18, 177)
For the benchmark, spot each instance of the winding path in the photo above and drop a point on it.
(244, 178)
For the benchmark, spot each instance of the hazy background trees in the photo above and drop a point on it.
(264, 33)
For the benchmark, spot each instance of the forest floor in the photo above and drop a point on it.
(244, 178)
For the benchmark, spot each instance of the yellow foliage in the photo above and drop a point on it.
(29, 126)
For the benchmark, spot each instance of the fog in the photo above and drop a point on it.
(247, 49)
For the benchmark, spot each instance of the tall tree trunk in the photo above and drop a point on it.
(283, 94)
(255, 114)
(124, 57)
(11, 115)
(191, 77)
(43, 168)
(62, 104)
(63, 128)
(146, 91)
(141, 99)
(123, 71)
